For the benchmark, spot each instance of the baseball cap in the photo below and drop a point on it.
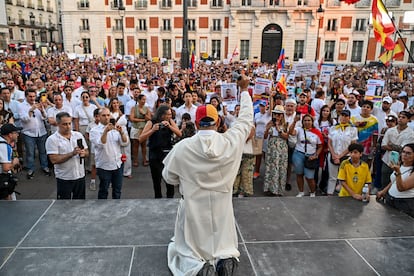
(204, 112)
(346, 112)
(355, 92)
(391, 118)
(303, 93)
(292, 101)
(387, 99)
(402, 94)
(9, 128)
(262, 103)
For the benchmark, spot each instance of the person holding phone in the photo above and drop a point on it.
(399, 193)
(393, 140)
(66, 149)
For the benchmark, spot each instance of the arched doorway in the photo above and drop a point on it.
(271, 43)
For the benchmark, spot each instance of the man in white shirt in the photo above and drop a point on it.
(16, 94)
(382, 113)
(151, 96)
(318, 101)
(66, 149)
(352, 103)
(107, 140)
(84, 87)
(54, 110)
(187, 107)
(68, 99)
(32, 116)
(396, 105)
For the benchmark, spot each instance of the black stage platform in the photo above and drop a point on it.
(277, 236)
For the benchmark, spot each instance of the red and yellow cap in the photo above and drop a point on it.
(206, 111)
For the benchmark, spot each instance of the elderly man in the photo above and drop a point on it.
(205, 167)
(66, 149)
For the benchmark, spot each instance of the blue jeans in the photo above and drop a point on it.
(108, 177)
(29, 145)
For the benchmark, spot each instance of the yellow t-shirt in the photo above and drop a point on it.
(354, 177)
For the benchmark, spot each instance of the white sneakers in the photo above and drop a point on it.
(302, 194)
(92, 185)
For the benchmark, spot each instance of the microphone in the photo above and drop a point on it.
(80, 145)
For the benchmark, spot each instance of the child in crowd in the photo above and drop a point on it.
(354, 173)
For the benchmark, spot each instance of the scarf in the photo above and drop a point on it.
(342, 126)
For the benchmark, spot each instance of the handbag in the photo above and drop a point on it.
(8, 183)
(309, 163)
(257, 144)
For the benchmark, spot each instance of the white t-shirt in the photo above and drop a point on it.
(261, 121)
(84, 114)
(312, 141)
(393, 191)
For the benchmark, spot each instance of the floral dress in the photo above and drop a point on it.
(276, 163)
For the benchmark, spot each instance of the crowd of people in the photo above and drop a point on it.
(103, 113)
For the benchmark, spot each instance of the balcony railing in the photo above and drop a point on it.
(140, 29)
(83, 5)
(165, 29)
(117, 28)
(215, 28)
(165, 4)
(84, 29)
(141, 4)
(331, 29)
(359, 29)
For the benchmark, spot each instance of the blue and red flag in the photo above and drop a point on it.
(281, 59)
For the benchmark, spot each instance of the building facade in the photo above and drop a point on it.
(307, 29)
(31, 25)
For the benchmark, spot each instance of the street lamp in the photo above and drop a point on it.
(121, 12)
(319, 11)
(184, 49)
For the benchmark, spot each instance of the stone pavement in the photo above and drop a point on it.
(277, 236)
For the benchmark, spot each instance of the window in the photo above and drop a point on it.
(166, 24)
(360, 25)
(166, 48)
(244, 49)
(410, 60)
(22, 34)
(191, 24)
(329, 50)
(356, 55)
(118, 25)
(216, 24)
(142, 44)
(119, 46)
(83, 4)
(192, 3)
(192, 45)
(85, 25)
(86, 45)
(141, 4)
(331, 25)
(142, 24)
(302, 2)
(246, 3)
(299, 49)
(217, 3)
(33, 34)
(273, 2)
(166, 4)
(216, 49)
(11, 33)
(115, 4)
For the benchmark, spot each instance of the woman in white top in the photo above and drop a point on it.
(400, 191)
(83, 114)
(261, 119)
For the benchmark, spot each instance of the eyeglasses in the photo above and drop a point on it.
(406, 152)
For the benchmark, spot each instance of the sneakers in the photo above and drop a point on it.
(312, 194)
(300, 194)
(92, 185)
(30, 174)
(46, 171)
(226, 267)
(256, 175)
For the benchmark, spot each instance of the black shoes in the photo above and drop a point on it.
(288, 187)
(47, 171)
(226, 267)
(30, 174)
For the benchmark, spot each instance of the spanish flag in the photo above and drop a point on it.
(281, 85)
(387, 56)
(383, 25)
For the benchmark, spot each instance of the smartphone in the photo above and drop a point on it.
(43, 98)
(79, 143)
(112, 121)
(394, 157)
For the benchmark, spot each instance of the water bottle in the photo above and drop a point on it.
(365, 193)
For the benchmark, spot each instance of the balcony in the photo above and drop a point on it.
(83, 5)
(140, 5)
(360, 29)
(117, 28)
(216, 4)
(140, 29)
(19, 3)
(165, 29)
(215, 28)
(84, 29)
(165, 4)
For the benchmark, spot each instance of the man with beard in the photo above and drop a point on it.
(16, 94)
(352, 103)
(381, 113)
(396, 105)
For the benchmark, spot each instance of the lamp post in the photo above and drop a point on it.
(319, 11)
(184, 49)
(121, 12)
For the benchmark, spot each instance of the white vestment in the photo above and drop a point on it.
(205, 167)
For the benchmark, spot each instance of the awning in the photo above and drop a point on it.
(12, 45)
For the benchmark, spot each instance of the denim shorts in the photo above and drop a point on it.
(298, 160)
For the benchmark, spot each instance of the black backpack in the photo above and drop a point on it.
(8, 182)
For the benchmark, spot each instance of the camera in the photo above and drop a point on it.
(274, 120)
(161, 126)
